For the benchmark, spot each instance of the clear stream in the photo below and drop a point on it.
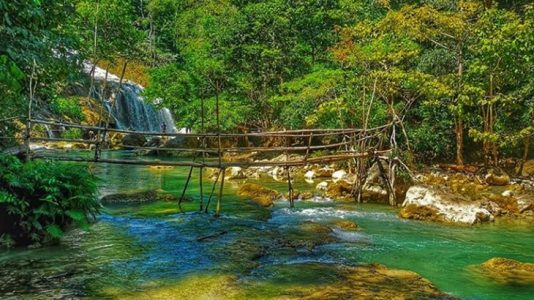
(153, 250)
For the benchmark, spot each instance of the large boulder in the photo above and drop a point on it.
(136, 140)
(440, 204)
(177, 142)
(508, 271)
(339, 190)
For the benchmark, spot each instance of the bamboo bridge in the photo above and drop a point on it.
(359, 147)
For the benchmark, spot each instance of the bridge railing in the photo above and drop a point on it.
(312, 145)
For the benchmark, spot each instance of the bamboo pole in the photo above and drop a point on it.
(243, 164)
(212, 191)
(185, 188)
(290, 188)
(81, 141)
(219, 199)
(201, 200)
(287, 133)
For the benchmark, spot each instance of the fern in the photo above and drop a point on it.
(54, 231)
(38, 200)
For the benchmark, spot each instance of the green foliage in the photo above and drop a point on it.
(38, 200)
(454, 71)
(68, 107)
(73, 133)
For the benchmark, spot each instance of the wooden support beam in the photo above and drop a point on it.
(185, 188)
(219, 199)
(200, 175)
(290, 188)
(212, 191)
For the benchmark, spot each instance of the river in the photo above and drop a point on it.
(153, 250)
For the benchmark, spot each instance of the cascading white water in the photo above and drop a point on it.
(129, 108)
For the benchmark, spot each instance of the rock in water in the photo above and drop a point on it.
(508, 271)
(440, 204)
(177, 142)
(234, 173)
(136, 140)
(339, 189)
(260, 195)
(346, 225)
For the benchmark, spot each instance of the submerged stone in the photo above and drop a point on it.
(341, 282)
(140, 197)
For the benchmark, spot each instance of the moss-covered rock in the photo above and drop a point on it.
(260, 195)
(339, 189)
(415, 212)
(364, 282)
(508, 271)
(346, 225)
(306, 236)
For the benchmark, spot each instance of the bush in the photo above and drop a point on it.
(68, 107)
(73, 133)
(39, 199)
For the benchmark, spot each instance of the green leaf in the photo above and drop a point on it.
(76, 215)
(54, 231)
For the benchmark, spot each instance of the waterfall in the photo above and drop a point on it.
(129, 109)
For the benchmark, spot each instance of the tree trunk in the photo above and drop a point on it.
(526, 148)
(459, 131)
(458, 121)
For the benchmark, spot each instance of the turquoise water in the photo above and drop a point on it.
(135, 248)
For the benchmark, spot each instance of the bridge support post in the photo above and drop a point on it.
(219, 199)
(185, 189)
(388, 183)
(212, 191)
(201, 201)
(290, 188)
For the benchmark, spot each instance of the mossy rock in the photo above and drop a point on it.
(346, 225)
(362, 282)
(508, 271)
(340, 189)
(416, 212)
(260, 195)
